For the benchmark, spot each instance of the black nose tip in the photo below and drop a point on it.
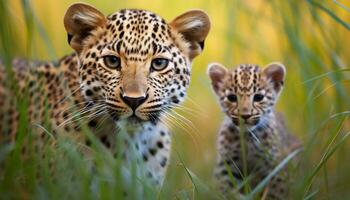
(245, 117)
(134, 102)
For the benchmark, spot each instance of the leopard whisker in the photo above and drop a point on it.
(187, 122)
(77, 111)
(193, 102)
(67, 97)
(186, 110)
(78, 114)
(161, 120)
(180, 125)
(84, 110)
(92, 115)
(88, 103)
(95, 115)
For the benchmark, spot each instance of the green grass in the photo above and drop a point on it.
(310, 37)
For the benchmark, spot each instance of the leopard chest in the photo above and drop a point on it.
(256, 150)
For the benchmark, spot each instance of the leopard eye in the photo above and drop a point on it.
(258, 97)
(159, 64)
(232, 97)
(112, 62)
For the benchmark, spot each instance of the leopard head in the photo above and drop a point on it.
(132, 61)
(246, 93)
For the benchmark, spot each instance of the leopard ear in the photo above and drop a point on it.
(194, 26)
(217, 73)
(275, 73)
(79, 20)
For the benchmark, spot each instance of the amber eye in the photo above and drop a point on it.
(232, 97)
(112, 62)
(258, 97)
(159, 64)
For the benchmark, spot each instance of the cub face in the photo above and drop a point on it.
(246, 93)
(133, 63)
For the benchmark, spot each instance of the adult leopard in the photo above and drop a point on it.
(129, 68)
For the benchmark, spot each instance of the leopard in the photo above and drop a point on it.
(129, 69)
(253, 139)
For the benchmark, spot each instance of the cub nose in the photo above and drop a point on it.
(245, 117)
(134, 102)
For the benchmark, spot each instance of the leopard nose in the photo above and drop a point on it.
(134, 102)
(245, 117)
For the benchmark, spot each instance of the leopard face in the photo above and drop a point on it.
(133, 64)
(246, 93)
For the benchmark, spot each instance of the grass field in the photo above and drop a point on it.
(311, 37)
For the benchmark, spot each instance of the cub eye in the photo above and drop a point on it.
(159, 64)
(112, 62)
(232, 97)
(258, 97)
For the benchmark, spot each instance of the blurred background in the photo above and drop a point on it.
(311, 37)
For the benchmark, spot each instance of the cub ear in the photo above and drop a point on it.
(79, 20)
(217, 73)
(275, 73)
(194, 25)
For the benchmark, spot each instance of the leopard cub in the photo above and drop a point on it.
(253, 138)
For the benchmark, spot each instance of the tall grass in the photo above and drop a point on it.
(310, 37)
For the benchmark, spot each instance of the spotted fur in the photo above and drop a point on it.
(128, 70)
(247, 96)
